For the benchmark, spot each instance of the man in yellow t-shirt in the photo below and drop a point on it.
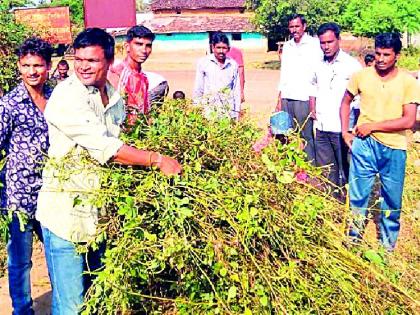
(378, 142)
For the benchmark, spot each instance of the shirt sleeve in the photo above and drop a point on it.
(353, 85)
(70, 112)
(283, 61)
(412, 92)
(236, 94)
(239, 58)
(5, 123)
(199, 81)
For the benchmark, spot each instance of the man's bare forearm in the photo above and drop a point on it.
(128, 155)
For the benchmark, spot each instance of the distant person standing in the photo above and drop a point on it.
(158, 87)
(62, 71)
(296, 91)
(332, 76)
(128, 78)
(237, 55)
(178, 95)
(369, 60)
(379, 140)
(217, 88)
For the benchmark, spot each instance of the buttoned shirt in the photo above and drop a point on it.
(83, 135)
(217, 87)
(298, 62)
(331, 79)
(134, 85)
(24, 139)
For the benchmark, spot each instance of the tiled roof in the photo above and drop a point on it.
(196, 4)
(197, 24)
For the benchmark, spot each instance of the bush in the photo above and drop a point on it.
(410, 58)
(236, 233)
(11, 36)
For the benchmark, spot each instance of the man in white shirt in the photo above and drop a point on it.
(300, 55)
(331, 77)
(84, 115)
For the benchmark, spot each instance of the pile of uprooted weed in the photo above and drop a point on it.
(236, 233)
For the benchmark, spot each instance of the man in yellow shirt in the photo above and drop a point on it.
(378, 142)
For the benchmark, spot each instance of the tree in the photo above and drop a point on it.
(10, 4)
(371, 17)
(361, 17)
(76, 10)
(271, 15)
(11, 36)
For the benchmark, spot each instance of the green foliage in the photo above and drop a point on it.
(234, 234)
(11, 36)
(371, 17)
(361, 17)
(409, 58)
(76, 10)
(271, 16)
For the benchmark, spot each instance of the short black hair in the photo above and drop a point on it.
(219, 37)
(63, 62)
(296, 16)
(140, 31)
(330, 26)
(389, 40)
(35, 46)
(369, 58)
(96, 37)
(178, 95)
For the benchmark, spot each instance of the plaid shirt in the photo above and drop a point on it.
(134, 85)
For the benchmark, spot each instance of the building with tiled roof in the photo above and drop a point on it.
(181, 24)
(195, 6)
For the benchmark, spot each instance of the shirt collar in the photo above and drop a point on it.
(127, 66)
(47, 90)
(304, 40)
(338, 58)
(113, 95)
(228, 61)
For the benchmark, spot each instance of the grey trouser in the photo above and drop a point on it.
(299, 112)
(331, 150)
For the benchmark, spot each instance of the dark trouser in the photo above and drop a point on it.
(331, 151)
(299, 112)
(19, 250)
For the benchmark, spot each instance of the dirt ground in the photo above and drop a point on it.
(179, 69)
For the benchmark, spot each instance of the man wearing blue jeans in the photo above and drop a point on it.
(84, 115)
(378, 142)
(24, 138)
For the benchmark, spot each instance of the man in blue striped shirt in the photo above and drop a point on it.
(217, 87)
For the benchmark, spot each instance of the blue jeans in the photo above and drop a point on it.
(19, 251)
(369, 157)
(67, 269)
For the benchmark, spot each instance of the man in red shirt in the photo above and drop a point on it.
(236, 54)
(128, 78)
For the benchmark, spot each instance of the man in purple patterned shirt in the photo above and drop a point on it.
(24, 139)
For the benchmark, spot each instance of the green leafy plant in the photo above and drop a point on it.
(236, 233)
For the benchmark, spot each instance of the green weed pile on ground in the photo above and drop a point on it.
(234, 234)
